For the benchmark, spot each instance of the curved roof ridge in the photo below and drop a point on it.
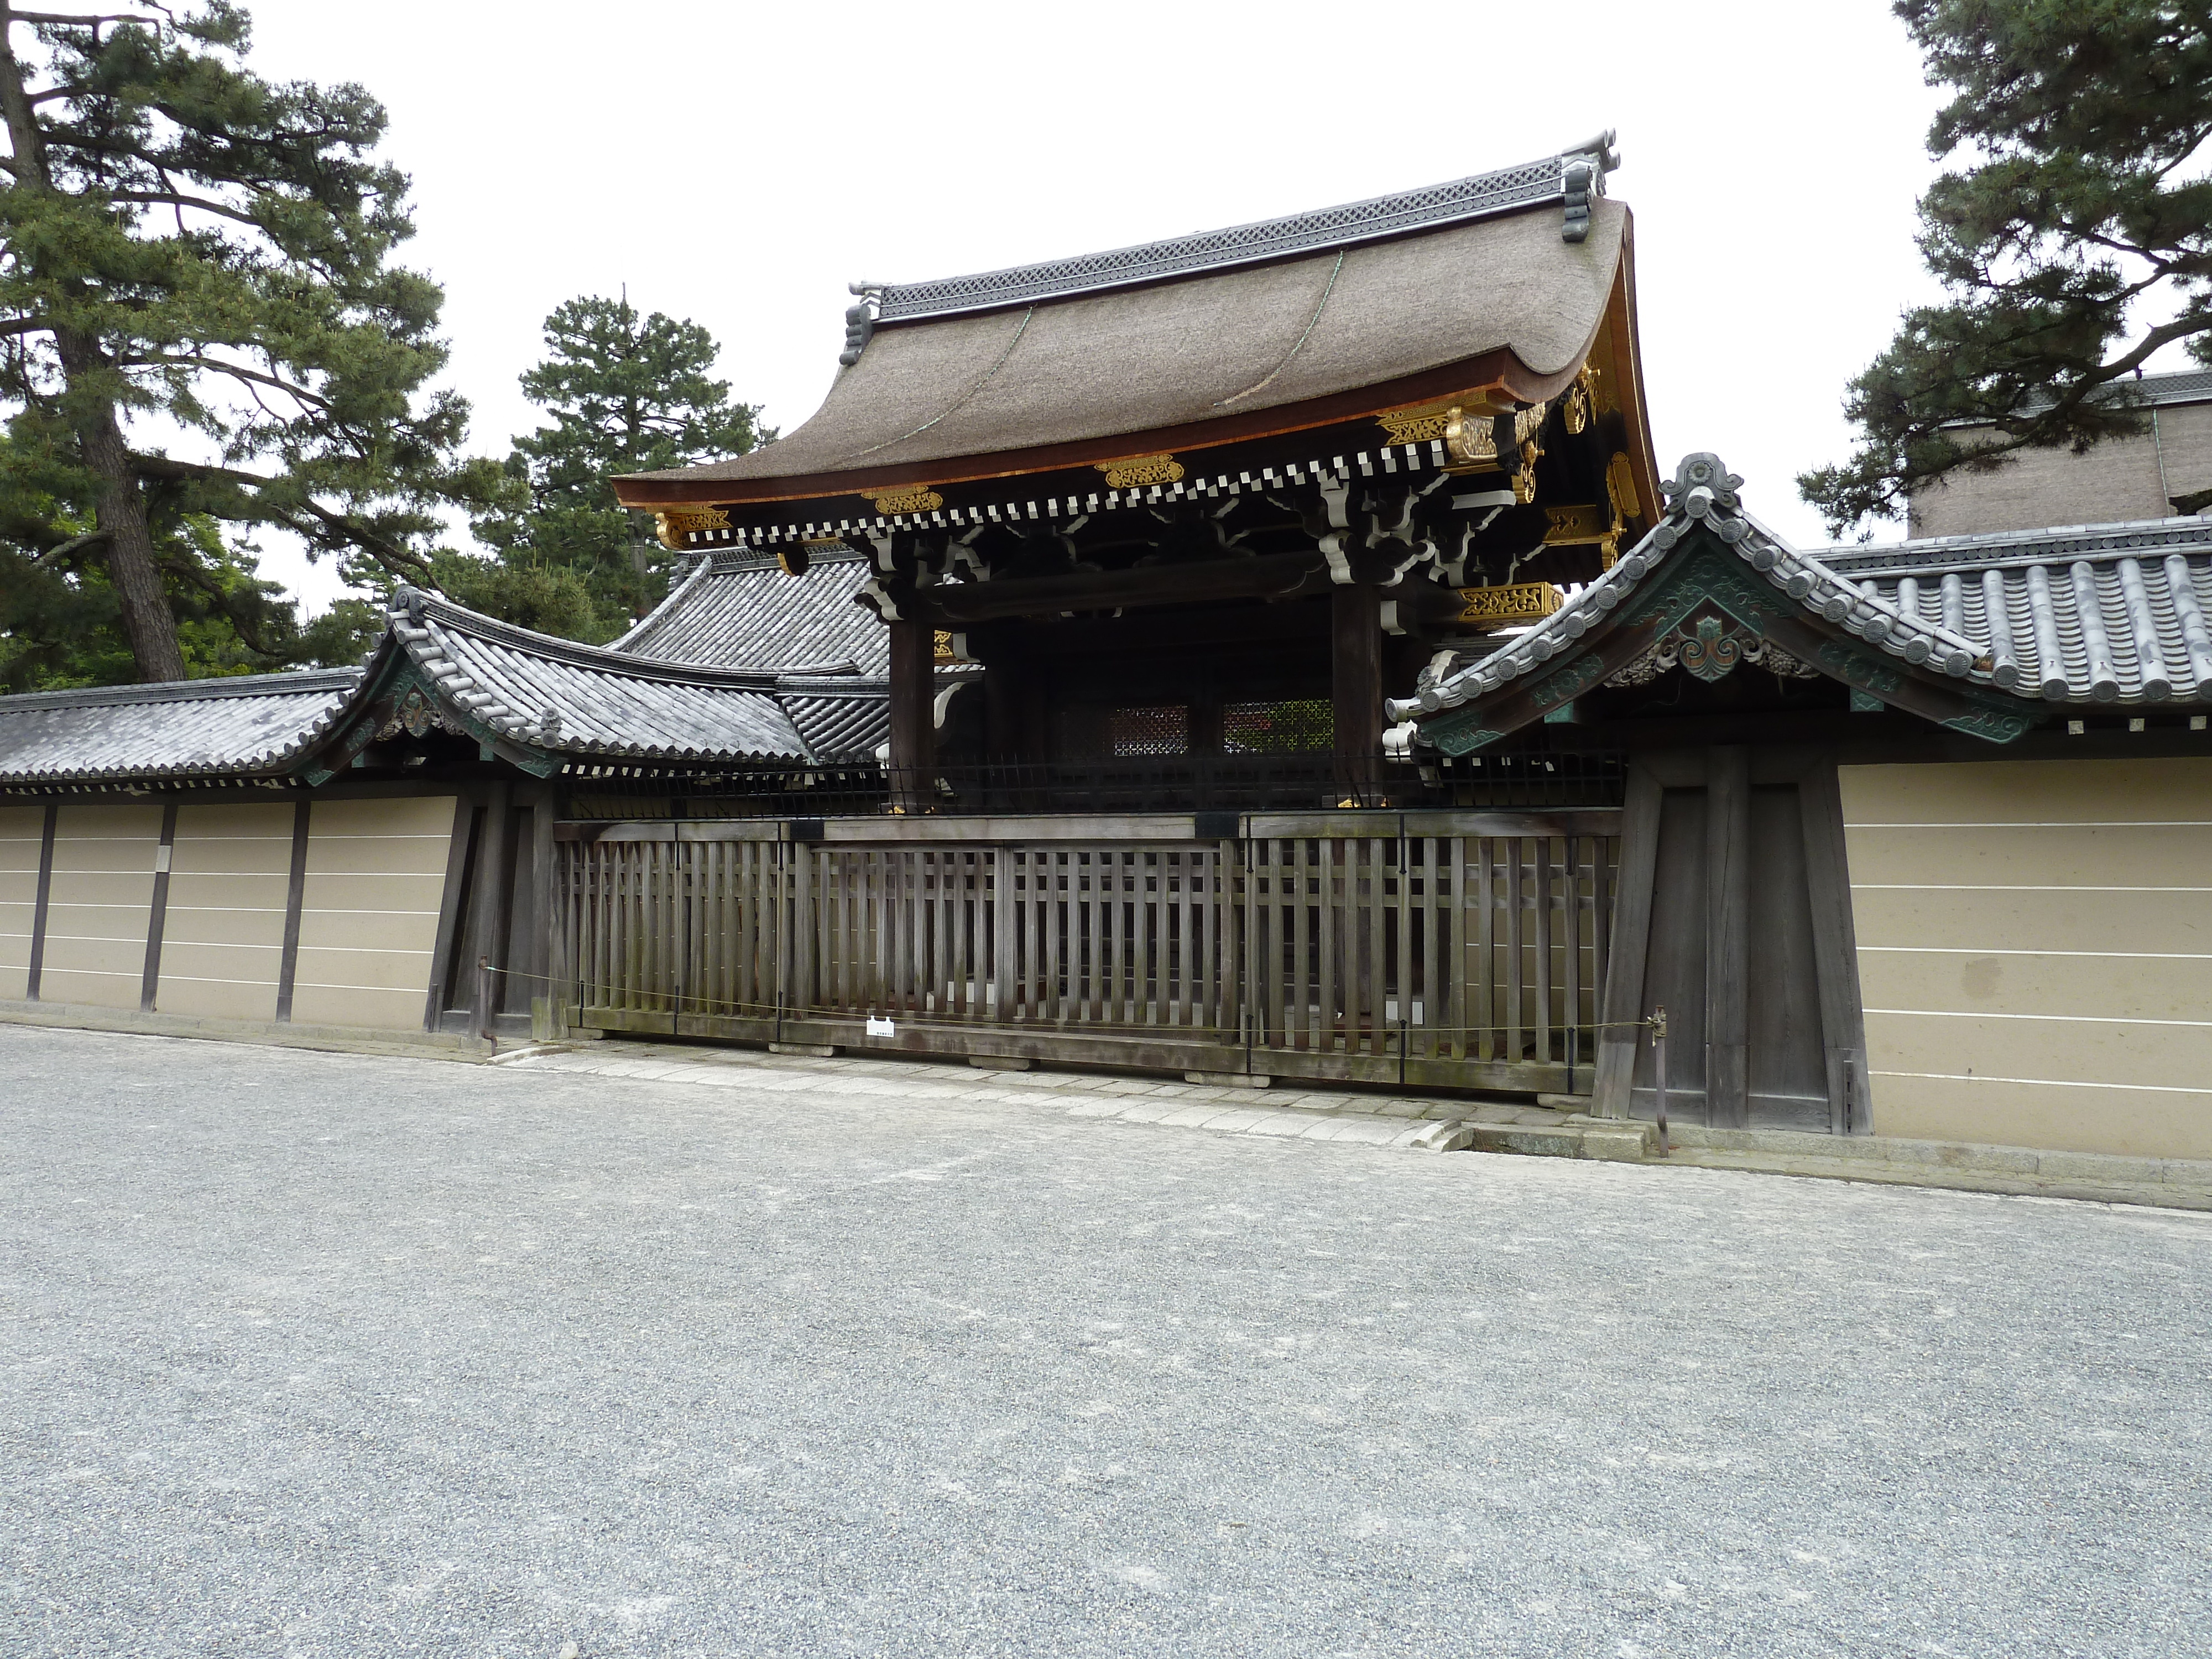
(289, 682)
(411, 609)
(1525, 183)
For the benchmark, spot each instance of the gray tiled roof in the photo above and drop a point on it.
(2126, 624)
(841, 717)
(588, 700)
(2095, 613)
(252, 724)
(738, 610)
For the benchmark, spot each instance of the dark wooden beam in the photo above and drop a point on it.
(1619, 1037)
(1835, 949)
(914, 725)
(296, 894)
(157, 915)
(1274, 576)
(1356, 680)
(1727, 937)
(40, 904)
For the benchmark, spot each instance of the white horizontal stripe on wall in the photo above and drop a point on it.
(2072, 823)
(1977, 950)
(325, 910)
(415, 991)
(2003, 887)
(2085, 1019)
(363, 950)
(2049, 1082)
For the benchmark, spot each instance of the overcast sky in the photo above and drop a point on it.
(738, 164)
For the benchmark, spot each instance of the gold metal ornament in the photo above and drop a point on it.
(1470, 437)
(674, 524)
(1582, 401)
(1524, 481)
(1138, 471)
(1486, 608)
(1425, 422)
(914, 498)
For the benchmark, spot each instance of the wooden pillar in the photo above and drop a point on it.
(1002, 712)
(1620, 1036)
(1356, 687)
(1835, 945)
(1727, 936)
(492, 890)
(914, 727)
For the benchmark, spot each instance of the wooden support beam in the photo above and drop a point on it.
(1727, 937)
(1835, 949)
(1356, 684)
(1271, 575)
(1632, 935)
(913, 725)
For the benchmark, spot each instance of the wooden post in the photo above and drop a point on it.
(1835, 946)
(1727, 936)
(914, 725)
(1355, 688)
(494, 889)
(1619, 1036)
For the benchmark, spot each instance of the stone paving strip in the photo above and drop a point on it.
(1367, 1120)
(1411, 1123)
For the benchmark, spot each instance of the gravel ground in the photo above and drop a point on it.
(323, 1354)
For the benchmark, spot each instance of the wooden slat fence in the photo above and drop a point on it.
(1374, 947)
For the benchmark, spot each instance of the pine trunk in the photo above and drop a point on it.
(120, 511)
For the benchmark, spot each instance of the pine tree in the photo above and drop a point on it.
(626, 393)
(188, 246)
(2071, 213)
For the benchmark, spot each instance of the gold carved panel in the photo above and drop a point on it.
(1504, 607)
(918, 498)
(1139, 471)
(673, 524)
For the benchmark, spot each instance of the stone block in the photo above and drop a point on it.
(2099, 1167)
(1229, 1079)
(809, 1050)
(1451, 1136)
(1624, 1145)
(1000, 1063)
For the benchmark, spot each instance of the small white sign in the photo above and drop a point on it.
(879, 1027)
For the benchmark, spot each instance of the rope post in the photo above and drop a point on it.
(1659, 1071)
(483, 1001)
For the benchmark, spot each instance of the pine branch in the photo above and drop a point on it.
(236, 371)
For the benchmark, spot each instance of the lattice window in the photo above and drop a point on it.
(1300, 724)
(1160, 729)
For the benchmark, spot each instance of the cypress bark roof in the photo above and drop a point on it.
(1503, 298)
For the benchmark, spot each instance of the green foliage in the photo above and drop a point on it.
(185, 245)
(626, 393)
(60, 624)
(2074, 200)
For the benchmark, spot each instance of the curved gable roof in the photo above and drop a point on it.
(1504, 298)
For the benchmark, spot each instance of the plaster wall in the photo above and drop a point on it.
(2035, 951)
(22, 828)
(100, 902)
(223, 940)
(368, 916)
(2119, 482)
